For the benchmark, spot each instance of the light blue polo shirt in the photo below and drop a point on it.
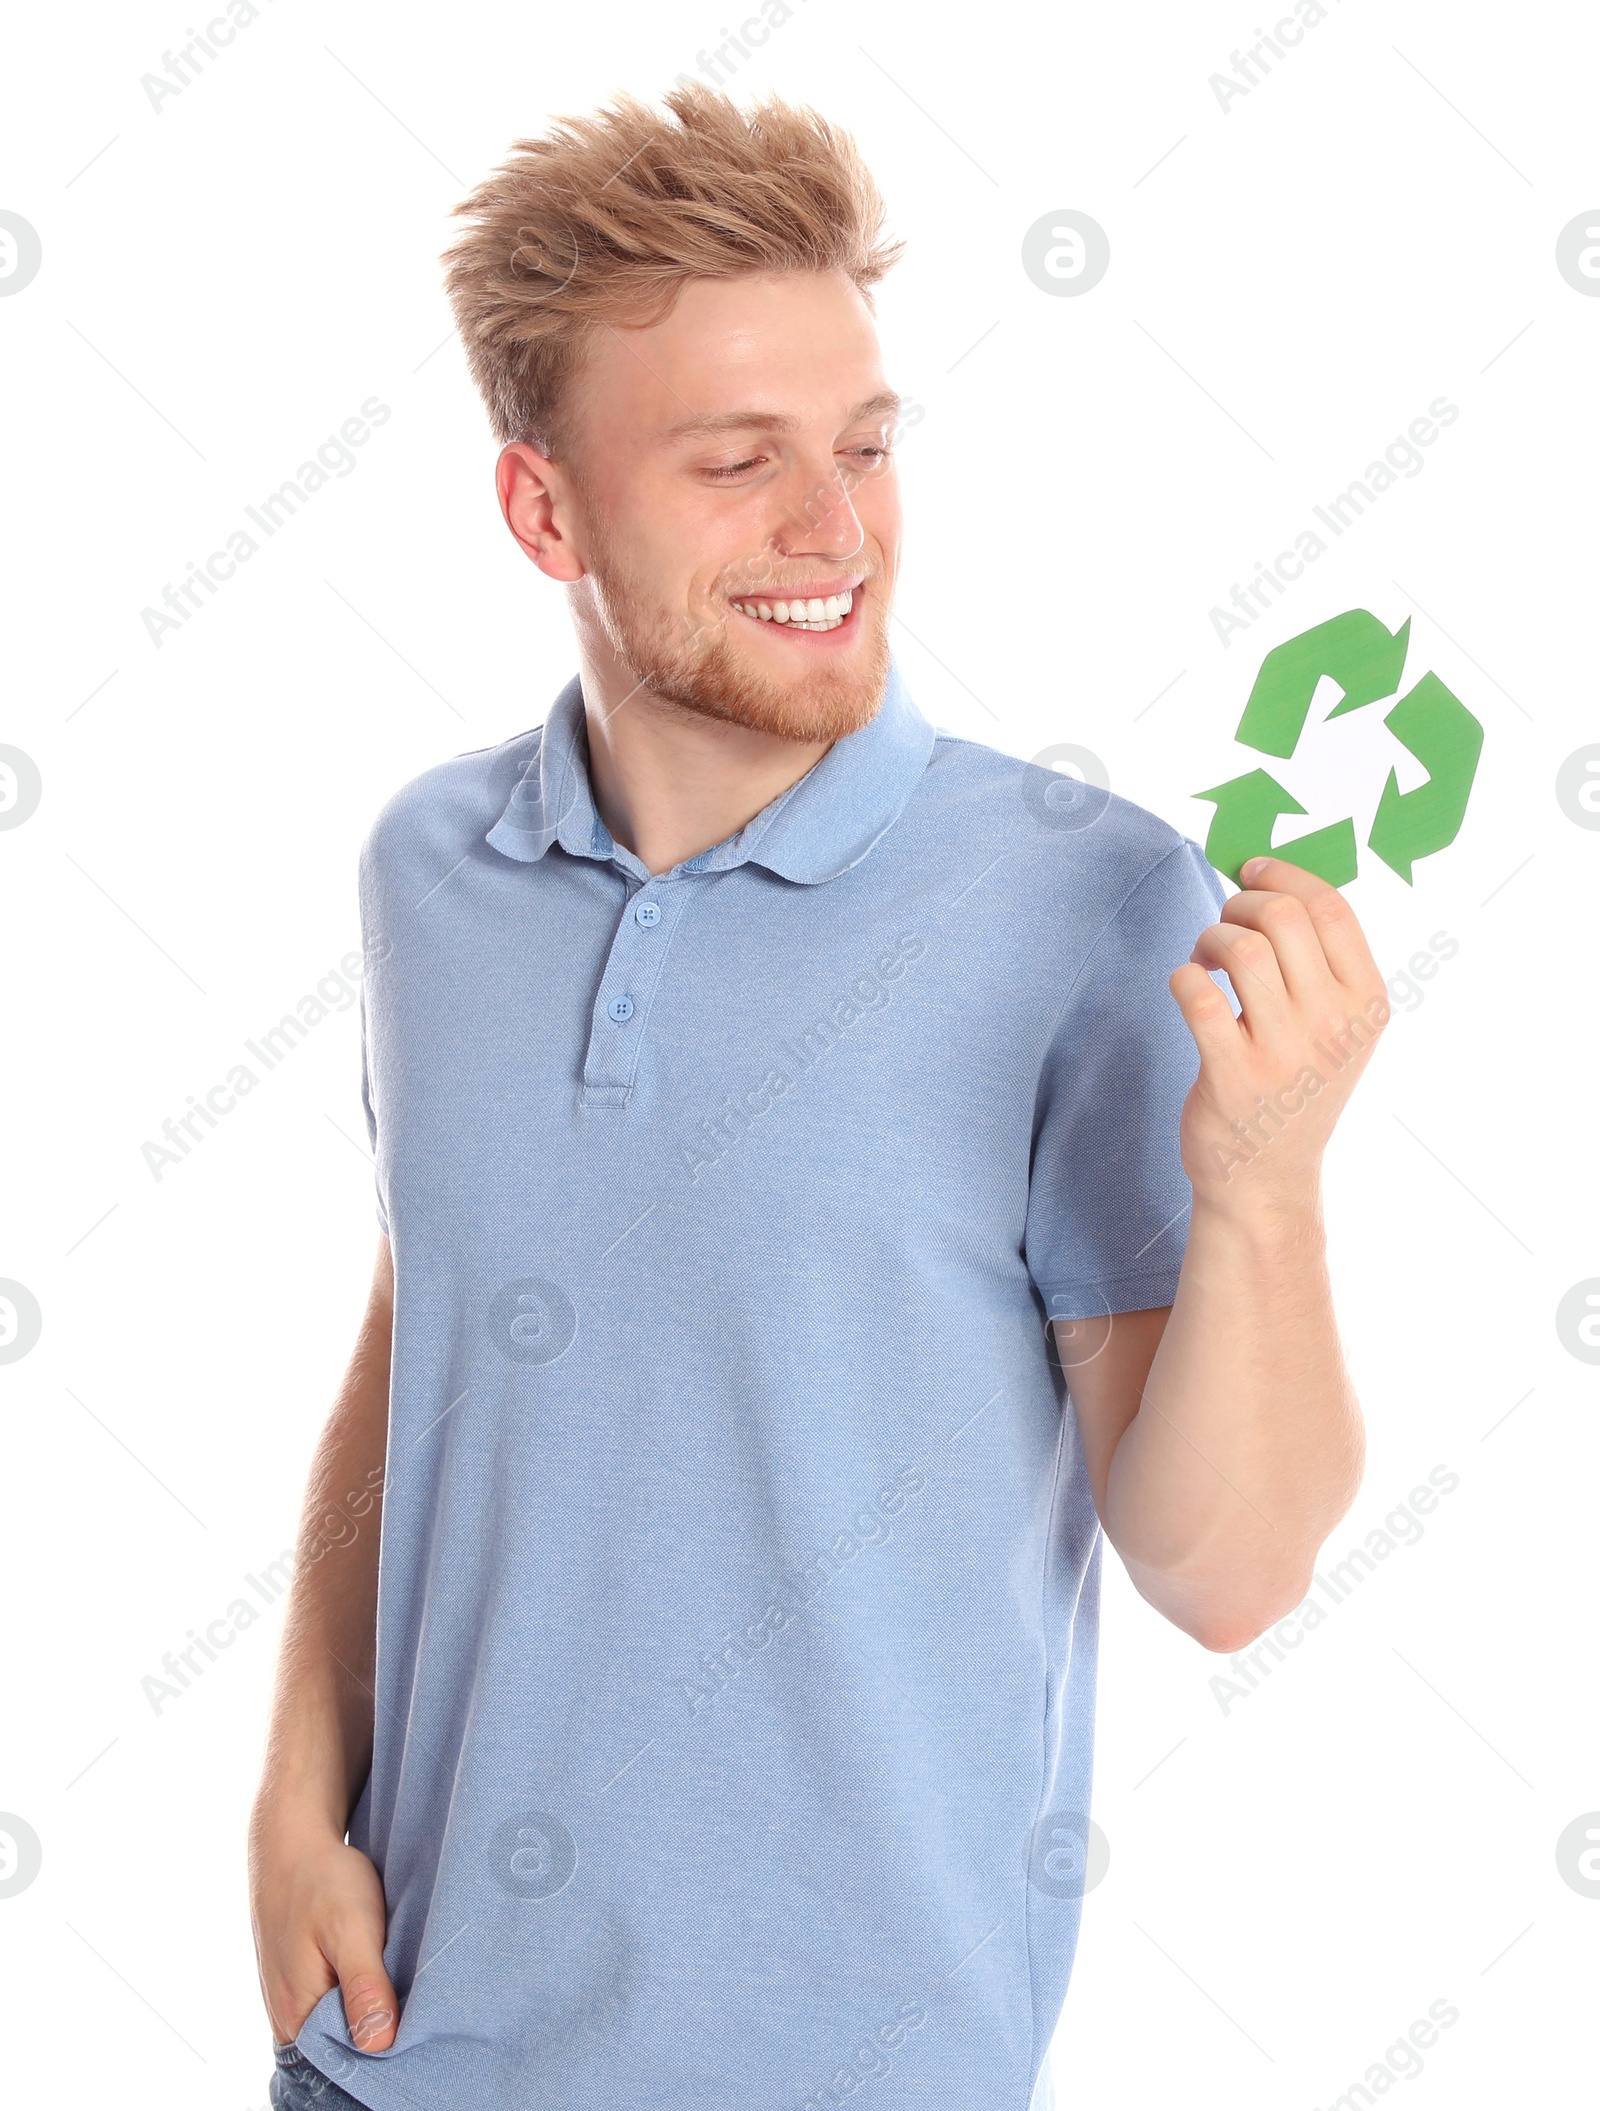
(739, 1578)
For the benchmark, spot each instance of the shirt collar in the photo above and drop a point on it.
(822, 825)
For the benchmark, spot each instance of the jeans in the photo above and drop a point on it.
(298, 2086)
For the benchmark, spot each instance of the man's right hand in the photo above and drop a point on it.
(318, 1911)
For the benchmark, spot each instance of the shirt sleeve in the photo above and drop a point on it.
(1108, 1199)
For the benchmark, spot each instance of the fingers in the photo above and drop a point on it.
(290, 1990)
(1284, 921)
(1251, 965)
(370, 2006)
(1334, 923)
(1206, 1012)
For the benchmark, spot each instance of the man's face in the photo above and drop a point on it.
(733, 461)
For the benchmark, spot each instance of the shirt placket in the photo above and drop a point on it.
(634, 964)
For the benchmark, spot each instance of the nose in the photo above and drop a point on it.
(819, 518)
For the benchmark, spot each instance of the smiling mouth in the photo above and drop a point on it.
(822, 613)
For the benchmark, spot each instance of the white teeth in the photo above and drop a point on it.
(813, 614)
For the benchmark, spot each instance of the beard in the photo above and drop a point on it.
(698, 667)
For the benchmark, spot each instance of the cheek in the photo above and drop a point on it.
(877, 504)
(655, 570)
(687, 551)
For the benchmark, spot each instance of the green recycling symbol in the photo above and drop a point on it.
(1366, 661)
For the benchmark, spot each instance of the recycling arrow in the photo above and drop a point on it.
(1443, 734)
(1354, 648)
(1366, 661)
(1241, 828)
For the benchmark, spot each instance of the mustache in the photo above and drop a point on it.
(780, 590)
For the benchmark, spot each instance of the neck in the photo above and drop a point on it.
(668, 783)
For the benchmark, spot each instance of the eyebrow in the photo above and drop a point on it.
(710, 424)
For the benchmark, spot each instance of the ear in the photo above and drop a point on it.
(537, 499)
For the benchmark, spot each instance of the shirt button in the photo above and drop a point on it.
(620, 1010)
(647, 913)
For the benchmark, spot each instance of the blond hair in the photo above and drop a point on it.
(604, 220)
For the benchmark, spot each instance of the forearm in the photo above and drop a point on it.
(319, 1744)
(1247, 1445)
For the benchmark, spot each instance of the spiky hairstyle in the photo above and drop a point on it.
(604, 219)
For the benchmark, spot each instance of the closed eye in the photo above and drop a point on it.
(870, 456)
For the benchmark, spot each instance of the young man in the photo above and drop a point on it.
(756, 1077)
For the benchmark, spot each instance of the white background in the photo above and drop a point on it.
(1373, 1828)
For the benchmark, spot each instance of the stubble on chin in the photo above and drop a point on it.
(698, 667)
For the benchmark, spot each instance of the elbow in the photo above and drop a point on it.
(1225, 1638)
(1225, 1630)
